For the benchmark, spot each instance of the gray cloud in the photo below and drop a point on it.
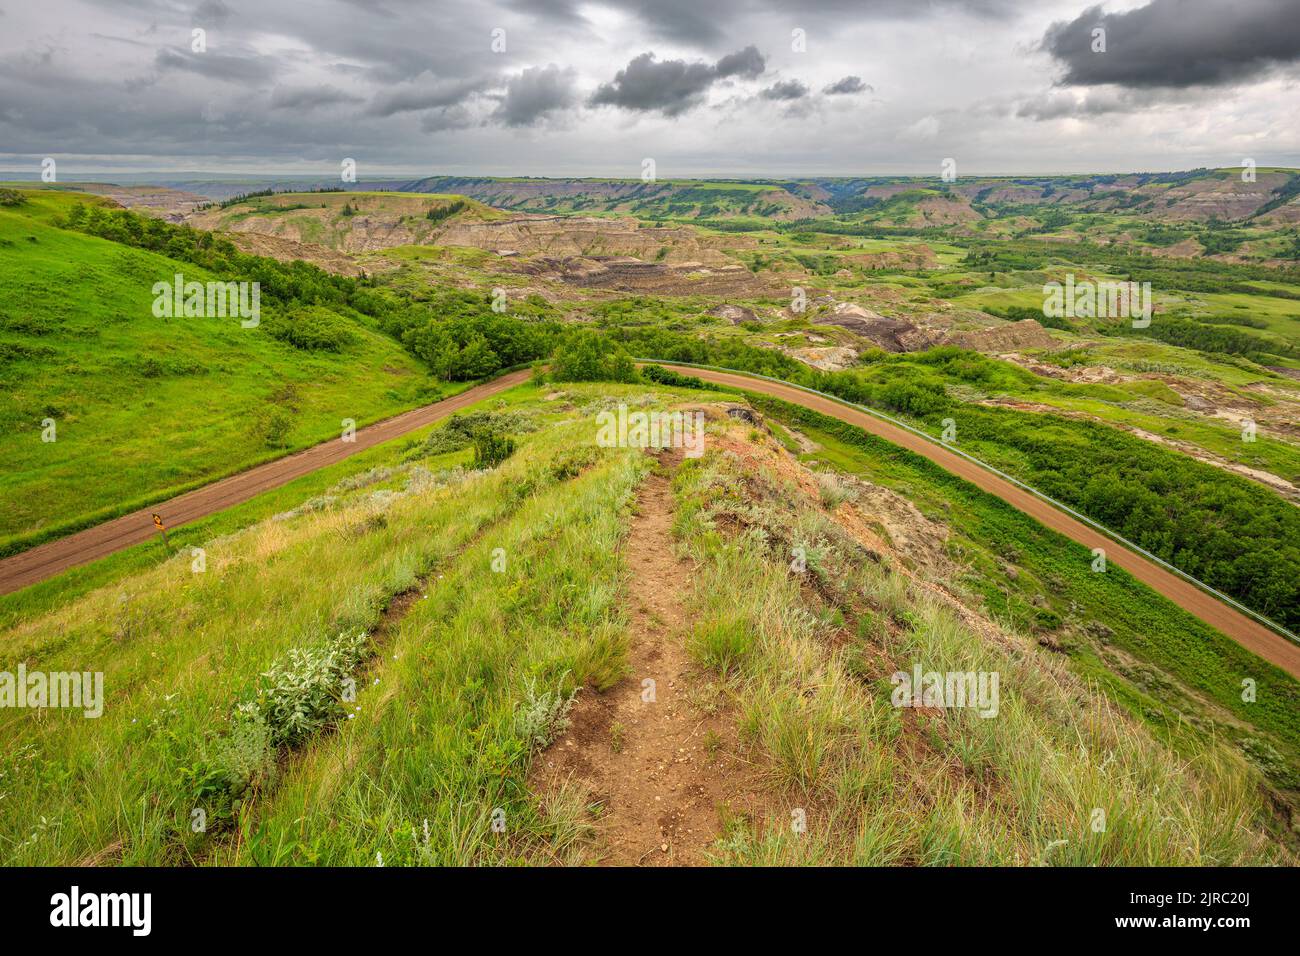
(432, 94)
(211, 13)
(672, 87)
(1177, 43)
(535, 94)
(412, 85)
(309, 97)
(250, 69)
(710, 24)
(785, 90)
(846, 86)
(747, 64)
(447, 118)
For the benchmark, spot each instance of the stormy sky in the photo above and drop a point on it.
(594, 87)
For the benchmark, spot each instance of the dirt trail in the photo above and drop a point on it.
(50, 558)
(660, 768)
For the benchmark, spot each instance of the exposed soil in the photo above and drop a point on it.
(664, 771)
(1253, 636)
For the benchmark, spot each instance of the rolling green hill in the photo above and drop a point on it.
(144, 406)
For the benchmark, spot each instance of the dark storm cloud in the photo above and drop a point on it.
(411, 84)
(536, 93)
(846, 86)
(672, 87)
(785, 90)
(1178, 43)
(211, 13)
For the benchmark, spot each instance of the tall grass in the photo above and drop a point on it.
(181, 649)
(1059, 776)
(442, 745)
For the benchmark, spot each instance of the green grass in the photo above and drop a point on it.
(879, 786)
(146, 407)
(179, 649)
(1160, 661)
(511, 589)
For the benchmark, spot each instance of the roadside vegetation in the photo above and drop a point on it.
(808, 665)
(366, 676)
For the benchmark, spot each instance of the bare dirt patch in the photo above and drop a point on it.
(662, 771)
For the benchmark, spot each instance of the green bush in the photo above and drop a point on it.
(311, 329)
(491, 448)
(274, 425)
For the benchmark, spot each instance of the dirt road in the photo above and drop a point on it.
(1249, 634)
(50, 558)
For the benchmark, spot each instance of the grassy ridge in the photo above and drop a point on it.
(179, 649)
(146, 407)
(512, 593)
(1056, 776)
(443, 747)
(1158, 639)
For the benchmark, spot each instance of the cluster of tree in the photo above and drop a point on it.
(460, 337)
(1231, 533)
(1203, 337)
(584, 355)
(11, 197)
(446, 210)
(1281, 196)
(288, 283)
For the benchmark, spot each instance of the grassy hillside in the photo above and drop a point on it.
(146, 406)
(468, 605)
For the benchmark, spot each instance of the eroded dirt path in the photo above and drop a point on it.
(660, 759)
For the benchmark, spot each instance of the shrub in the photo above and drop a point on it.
(312, 330)
(491, 448)
(460, 430)
(302, 693)
(273, 426)
(666, 376)
(834, 490)
(540, 718)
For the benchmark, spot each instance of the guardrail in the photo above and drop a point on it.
(1114, 536)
